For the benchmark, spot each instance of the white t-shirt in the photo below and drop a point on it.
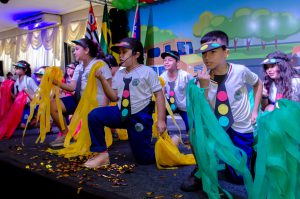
(238, 77)
(27, 83)
(180, 87)
(295, 91)
(105, 72)
(143, 84)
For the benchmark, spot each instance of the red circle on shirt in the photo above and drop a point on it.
(171, 93)
(125, 93)
(222, 96)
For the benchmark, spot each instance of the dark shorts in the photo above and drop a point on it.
(70, 104)
(26, 113)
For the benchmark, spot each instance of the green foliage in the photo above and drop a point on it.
(248, 23)
(202, 24)
(124, 4)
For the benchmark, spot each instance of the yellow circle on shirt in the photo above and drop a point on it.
(172, 100)
(223, 109)
(125, 102)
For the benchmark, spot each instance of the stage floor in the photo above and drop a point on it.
(31, 171)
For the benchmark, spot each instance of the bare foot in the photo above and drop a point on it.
(99, 160)
(176, 140)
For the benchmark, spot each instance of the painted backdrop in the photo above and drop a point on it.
(255, 28)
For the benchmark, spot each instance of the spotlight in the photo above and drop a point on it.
(4, 1)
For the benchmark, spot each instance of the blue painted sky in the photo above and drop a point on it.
(180, 15)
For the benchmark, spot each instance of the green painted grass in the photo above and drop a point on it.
(258, 52)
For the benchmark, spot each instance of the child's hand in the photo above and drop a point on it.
(98, 74)
(253, 117)
(55, 82)
(203, 77)
(265, 92)
(161, 126)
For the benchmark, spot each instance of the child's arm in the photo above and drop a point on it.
(109, 92)
(67, 87)
(161, 112)
(265, 98)
(257, 88)
(106, 100)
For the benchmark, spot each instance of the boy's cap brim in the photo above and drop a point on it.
(210, 46)
(171, 54)
(116, 48)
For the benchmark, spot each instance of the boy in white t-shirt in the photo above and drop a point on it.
(133, 87)
(227, 94)
(176, 81)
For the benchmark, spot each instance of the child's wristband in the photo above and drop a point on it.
(265, 97)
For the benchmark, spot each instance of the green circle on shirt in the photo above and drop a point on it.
(124, 112)
(223, 121)
(173, 107)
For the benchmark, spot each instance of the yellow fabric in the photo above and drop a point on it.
(168, 155)
(87, 103)
(122, 134)
(42, 98)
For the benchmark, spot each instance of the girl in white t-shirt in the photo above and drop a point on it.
(24, 82)
(87, 53)
(132, 87)
(280, 80)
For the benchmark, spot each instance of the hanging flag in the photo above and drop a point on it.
(149, 38)
(91, 27)
(105, 41)
(136, 31)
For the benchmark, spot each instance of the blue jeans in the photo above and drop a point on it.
(139, 128)
(184, 117)
(243, 141)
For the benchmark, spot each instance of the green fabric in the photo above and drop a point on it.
(278, 153)
(211, 144)
(252, 100)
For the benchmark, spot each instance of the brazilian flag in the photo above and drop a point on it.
(105, 41)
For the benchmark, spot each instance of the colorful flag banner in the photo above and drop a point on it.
(91, 27)
(136, 30)
(105, 41)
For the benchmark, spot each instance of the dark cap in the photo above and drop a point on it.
(82, 42)
(116, 48)
(171, 53)
(88, 43)
(210, 46)
(21, 64)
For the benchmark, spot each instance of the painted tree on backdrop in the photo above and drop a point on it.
(247, 23)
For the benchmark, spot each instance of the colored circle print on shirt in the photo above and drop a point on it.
(223, 121)
(125, 93)
(222, 96)
(223, 109)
